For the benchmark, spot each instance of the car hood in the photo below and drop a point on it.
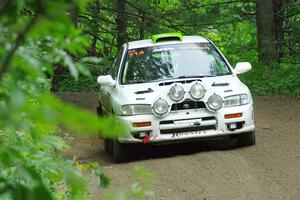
(147, 93)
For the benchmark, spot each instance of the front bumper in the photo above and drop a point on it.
(189, 124)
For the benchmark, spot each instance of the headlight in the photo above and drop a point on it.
(136, 109)
(176, 93)
(197, 91)
(236, 100)
(215, 102)
(160, 107)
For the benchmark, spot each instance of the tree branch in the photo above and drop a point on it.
(169, 25)
(197, 6)
(100, 39)
(85, 16)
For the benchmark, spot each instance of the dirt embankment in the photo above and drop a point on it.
(268, 170)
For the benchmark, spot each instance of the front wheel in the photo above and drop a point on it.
(99, 114)
(99, 110)
(246, 139)
(108, 145)
(121, 152)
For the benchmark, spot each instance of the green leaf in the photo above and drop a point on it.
(92, 60)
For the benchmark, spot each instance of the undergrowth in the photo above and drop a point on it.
(66, 83)
(280, 80)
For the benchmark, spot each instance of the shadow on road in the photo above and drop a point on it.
(150, 151)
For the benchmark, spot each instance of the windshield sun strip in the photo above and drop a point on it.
(126, 56)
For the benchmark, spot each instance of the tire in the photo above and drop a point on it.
(108, 146)
(99, 114)
(99, 111)
(121, 152)
(246, 139)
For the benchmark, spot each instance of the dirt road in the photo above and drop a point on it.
(268, 170)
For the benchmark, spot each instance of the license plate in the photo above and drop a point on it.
(188, 133)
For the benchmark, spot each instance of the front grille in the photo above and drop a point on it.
(173, 121)
(188, 104)
(189, 129)
(166, 122)
(208, 118)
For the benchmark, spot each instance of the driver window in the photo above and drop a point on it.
(116, 64)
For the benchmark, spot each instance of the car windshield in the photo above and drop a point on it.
(171, 62)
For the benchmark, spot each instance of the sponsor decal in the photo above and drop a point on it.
(188, 133)
(135, 52)
(163, 49)
(168, 48)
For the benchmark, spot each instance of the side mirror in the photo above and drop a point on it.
(242, 67)
(106, 81)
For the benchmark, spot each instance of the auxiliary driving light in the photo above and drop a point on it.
(197, 91)
(215, 102)
(161, 107)
(176, 93)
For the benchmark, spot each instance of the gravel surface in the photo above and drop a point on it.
(207, 170)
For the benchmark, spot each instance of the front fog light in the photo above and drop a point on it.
(232, 126)
(176, 93)
(235, 126)
(160, 107)
(215, 102)
(197, 91)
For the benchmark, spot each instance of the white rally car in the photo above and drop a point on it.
(173, 88)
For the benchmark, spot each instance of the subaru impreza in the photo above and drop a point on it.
(174, 88)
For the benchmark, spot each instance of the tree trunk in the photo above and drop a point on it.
(142, 27)
(74, 10)
(265, 32)
(278, 9)
(93, 50)
(121, 23)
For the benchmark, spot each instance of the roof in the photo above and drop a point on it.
(149, 43)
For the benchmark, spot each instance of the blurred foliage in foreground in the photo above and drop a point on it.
(35, 36)
(139, 189)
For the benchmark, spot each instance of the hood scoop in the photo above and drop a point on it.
(219, 84)
(178, 81)
(144, 91)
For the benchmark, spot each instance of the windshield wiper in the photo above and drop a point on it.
(195, 76)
